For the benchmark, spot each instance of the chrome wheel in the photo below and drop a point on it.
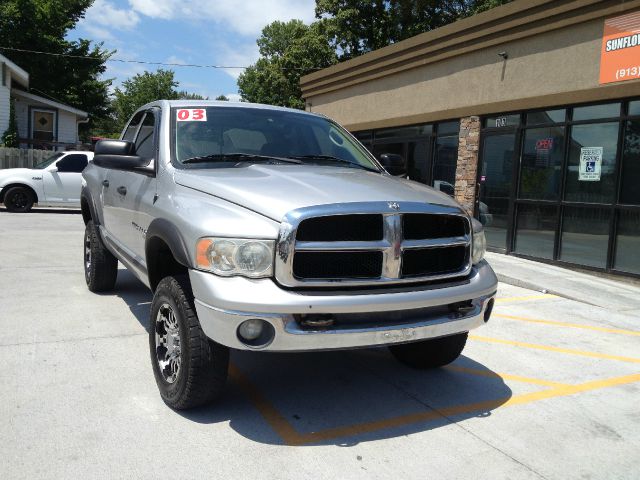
(168, 343)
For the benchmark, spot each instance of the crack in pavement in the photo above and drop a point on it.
(73, 340)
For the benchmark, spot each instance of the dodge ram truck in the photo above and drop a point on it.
(271, 229)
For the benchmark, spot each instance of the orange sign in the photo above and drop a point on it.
(620, 56)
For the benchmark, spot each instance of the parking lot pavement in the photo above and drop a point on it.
(547, 389)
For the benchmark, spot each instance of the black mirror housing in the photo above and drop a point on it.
(394, 164)
(119, 154)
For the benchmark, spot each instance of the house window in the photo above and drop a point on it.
(43, 124)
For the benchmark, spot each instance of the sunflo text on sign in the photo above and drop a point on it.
(620, 55)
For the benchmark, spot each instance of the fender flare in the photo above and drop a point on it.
(167, 232)
(85, 195)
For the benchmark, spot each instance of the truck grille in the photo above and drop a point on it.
(372, 244)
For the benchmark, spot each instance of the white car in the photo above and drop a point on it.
(56, 182)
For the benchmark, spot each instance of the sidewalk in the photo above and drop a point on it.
(584, 287)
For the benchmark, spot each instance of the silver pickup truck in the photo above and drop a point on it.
(270, 229)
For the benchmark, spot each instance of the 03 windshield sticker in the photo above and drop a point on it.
(191, 115)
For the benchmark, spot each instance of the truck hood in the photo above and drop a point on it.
(274, 190)
(6, 173)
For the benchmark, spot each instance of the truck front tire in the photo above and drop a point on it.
(432, 353)
(190, 369)
(100, 266)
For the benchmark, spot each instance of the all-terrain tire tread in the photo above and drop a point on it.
(207, 369)
(104, 270)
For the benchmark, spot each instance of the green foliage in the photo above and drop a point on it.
(184, 95)
(10, 135)
(42, 25)
(142, 88)
(222, 98)
(355, 27)
(288, 51)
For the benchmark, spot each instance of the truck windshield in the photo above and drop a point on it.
(210, 137)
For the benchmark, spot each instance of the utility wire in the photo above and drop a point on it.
(141, 62)
(88, 57)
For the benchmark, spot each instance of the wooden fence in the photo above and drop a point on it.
(20, 157)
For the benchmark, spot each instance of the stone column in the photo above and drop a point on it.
(467, 166)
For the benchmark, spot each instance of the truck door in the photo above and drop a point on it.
(133, 192)
(63, 181)
(114, 221)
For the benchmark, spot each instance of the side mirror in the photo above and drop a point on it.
(118, 154)
(394, 164)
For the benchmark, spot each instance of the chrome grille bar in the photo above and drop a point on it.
(391, 245)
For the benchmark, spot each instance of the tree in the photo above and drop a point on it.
(10, 135)
(355, 27)
(142, 88)
(41, 25)
(222, 98)
(184, 95)
(288, 51)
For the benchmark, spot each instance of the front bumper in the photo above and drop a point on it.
(223, 304)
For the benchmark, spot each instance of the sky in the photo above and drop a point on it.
(203, 32)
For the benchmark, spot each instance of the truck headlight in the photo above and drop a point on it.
(478, 243)
(236, 256)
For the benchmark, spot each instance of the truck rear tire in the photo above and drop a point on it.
(190, 369)
(430, 353)
(100, 266)
(18, 199)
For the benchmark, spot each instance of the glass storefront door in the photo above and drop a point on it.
(562, 184)
(495, 206)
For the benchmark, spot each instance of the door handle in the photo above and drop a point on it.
(105, 183)
(122, 190)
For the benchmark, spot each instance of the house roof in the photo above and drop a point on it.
(50, 103)
(16, 72)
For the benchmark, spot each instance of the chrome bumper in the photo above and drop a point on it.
(223, 304)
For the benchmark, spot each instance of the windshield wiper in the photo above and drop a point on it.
(238, 157)
(330, 158)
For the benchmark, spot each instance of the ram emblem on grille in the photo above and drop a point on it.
(393, 205)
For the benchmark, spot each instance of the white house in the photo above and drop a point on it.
(41, 122)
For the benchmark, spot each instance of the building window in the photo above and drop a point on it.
(500, 121)
(430, 151)
(541, 163)
(544, 117)
(445, 162)
(594, 112)
(585, 236)
(43, 125)
(535, 230)
(628, 242)
(591, 169)
(572, 194)
(630, 190)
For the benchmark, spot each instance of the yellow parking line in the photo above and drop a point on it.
(556, 349)
(290, 436)
(569, 325)
(505, 376)
(275, 420)
(367, 427)
(525, 298)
